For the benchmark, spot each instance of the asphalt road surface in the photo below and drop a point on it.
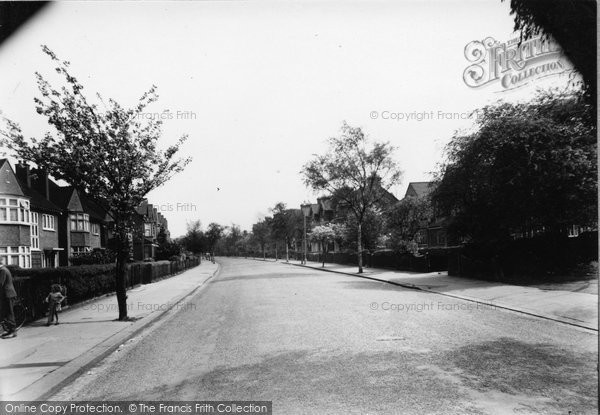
(324, 343)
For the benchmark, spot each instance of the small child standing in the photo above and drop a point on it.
(54, 299)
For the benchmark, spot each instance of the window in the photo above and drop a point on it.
(147, 229)
(573, 231)
(50, 259)
(80, 222)
(15, 255)
(79, 249)
(14, 210)
(48, 223)
(35, 231)
(95, 229)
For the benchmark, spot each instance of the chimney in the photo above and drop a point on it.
(23, 173)
(42, 183)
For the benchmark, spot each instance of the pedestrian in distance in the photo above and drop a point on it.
(8, 296)
(54, 299)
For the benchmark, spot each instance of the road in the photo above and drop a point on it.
(324, 343)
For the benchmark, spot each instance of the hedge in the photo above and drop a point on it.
(85, 282)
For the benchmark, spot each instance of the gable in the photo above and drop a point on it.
(419, 189)
(8, 180)
(75, 203)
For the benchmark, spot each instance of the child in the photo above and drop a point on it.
(54, 299)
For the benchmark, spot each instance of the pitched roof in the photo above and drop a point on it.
(93, 209)
(38, 201)
(60, 195)
(63, 196)
(8, 180)
(419, 189)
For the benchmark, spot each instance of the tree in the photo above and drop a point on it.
(228, 244)
(355, 173)
(286, 225)
(571, 23)
(194, 239)
(244, 243)
(404, 221)
(261, 232)
(324, 235)
(214, 232)
(527, 166)
(166, 249)
(109, 154)
(372, 229)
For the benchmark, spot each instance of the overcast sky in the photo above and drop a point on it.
(264, 84)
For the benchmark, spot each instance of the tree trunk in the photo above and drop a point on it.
(323, 253)
(121, 277)
(359, 241)
(287, 252)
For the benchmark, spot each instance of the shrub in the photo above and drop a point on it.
(96, 256)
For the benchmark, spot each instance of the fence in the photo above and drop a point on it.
(85, 282)
(427, 262)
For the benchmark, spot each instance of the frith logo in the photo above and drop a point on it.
(513, 64)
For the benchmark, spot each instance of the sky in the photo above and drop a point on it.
(260, 86)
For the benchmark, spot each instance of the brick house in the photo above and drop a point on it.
(45, 218)
(83, 226)
(15, 219)
(43, 224)
(147, 226)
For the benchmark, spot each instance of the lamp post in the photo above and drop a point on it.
(305, 212)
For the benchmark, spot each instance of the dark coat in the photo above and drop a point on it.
(7, 289)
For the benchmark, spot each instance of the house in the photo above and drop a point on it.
(433, 229)
(163, 225)
(45, 218)
(68, 221)
(146, 231)
(43, 224)
(329, 210)
(15, 219)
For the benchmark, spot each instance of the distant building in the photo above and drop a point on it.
(328, 210)
(146, 230)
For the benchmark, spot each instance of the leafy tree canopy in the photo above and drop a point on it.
(528, 165)
(572, 23)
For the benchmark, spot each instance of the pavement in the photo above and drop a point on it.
(42, 359)
(325, 343)
(574, 303)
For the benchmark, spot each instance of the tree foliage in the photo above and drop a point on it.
(356, 172)
(261, 233)
(571, 23)
(324, 235)
(166, 249)
(373, 227)
(109, 153)
(528, 165)
(194, 239)
(404, 221)
(214, 232)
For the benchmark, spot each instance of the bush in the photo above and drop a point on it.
(85, 282)
(81, 282)
(96, 256)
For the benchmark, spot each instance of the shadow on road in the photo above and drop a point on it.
(269, 276)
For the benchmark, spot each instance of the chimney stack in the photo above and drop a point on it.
(42, 182)
(24, 173)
